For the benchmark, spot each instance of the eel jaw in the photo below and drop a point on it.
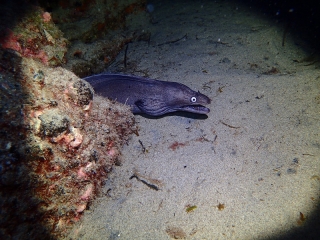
(199, 109)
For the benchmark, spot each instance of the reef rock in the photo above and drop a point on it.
(58, 143)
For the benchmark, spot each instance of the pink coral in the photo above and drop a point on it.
(46, 17)
(77, 138)
(73, 138)
(88, 192)
(42, 55)
(81, 173)
(81, 208)
(11, 41)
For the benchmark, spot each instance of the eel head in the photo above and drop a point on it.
(193, 104)
(175, 97)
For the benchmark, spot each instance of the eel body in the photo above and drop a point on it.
(149, 96)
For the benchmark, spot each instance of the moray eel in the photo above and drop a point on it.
(149, 96)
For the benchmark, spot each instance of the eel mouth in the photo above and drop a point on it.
(199, 109)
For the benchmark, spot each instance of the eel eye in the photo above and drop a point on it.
(193, 99)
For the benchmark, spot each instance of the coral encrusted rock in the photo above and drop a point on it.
(58, 143)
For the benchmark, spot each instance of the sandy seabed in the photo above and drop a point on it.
(250, 169)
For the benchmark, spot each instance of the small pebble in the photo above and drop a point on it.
(291, 171)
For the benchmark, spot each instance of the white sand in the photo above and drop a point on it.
(257, 152)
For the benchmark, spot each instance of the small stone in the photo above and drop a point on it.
(53, 123)
(291, 171)
(85, 93)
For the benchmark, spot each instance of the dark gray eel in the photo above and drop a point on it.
(149, 96)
